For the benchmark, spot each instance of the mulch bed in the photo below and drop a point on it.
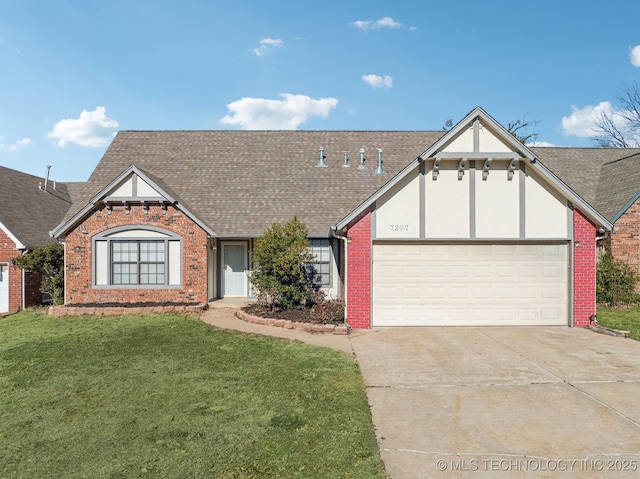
(306, 315)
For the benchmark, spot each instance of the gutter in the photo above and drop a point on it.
(335, 235)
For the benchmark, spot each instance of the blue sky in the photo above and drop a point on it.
(73, 72)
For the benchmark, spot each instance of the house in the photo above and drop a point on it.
(609, 179)
(29, 208)
(463, 227)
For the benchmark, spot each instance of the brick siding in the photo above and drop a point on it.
(359, 270)
(624, 243)
(33, 296)
(584, 269)
(79, 259)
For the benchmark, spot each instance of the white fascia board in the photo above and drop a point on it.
(12, 237)
(488, 120)
(381, 191)
(63, 227)
(589, 211)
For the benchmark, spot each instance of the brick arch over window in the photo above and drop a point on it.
(137, 256)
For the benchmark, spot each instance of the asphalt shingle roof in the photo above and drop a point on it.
(28, 211)
(239, 182)
(607, 178)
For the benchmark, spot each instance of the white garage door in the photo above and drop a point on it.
(470, 284)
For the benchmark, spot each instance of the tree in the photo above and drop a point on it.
(615, 282)
(516, 128)
(280, 258)
(447, 125)
(49, 262)
(619, 127)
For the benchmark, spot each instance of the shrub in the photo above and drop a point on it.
(280, 257)
(615, 282)
(326, 310)
(48, 261)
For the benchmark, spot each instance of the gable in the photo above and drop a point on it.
(445, 201)
(133, 186)
(476, 182)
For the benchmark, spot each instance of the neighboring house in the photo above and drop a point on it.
(464, 227)
(609, 179)
(29, 208)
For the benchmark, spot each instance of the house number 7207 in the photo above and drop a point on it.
(399, 227)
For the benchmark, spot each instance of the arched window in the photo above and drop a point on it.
(137, 257)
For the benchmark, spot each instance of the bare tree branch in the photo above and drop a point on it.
(516, 129)
(620, 128)
(610, 134)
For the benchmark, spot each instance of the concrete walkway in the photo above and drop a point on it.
(223, 316)
(492, 402)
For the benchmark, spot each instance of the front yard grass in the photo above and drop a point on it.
(168, 396)
(627, 319)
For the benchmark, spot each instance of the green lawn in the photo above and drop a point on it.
(167, 396)
(625, 319)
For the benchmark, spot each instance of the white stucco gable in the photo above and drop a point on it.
(476, 182)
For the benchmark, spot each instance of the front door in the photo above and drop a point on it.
(4, 288)
(234, 266)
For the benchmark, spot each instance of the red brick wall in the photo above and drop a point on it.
(359, 271)
(584, 269)
(78, 258)
(8, 252)
(625, 240)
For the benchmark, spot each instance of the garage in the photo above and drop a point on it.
(470, 284)
(476, 231)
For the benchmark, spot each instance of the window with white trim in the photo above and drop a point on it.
(319, 270)
(143, 257)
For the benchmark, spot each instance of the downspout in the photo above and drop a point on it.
(24, 284)
(593, 319)
(346, 271)
(24, 287)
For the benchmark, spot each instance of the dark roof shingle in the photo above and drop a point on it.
(239, 182)
(27, 211)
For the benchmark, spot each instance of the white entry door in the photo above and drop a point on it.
(234, 265)
(4, 288)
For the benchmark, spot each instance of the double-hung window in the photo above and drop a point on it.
(138, 262)
(319, 270)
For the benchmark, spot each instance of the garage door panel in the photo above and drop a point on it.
(470, 284)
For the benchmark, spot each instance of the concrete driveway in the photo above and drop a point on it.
(503, 402)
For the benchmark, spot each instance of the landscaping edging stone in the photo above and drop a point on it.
(288, 324)
(120, 310)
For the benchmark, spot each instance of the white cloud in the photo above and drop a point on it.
(384, 22)
(540, 143)
(582, 121)
(285, 114)
(635, 56)
(266, 46)
(377, 81)
(93, 129)
(16, 145)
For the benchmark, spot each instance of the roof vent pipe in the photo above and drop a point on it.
(379, 170)
(321, 163)
(346, 161)
(46, 178)
(361, 165)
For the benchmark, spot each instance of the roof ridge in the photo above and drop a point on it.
(621, 159)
